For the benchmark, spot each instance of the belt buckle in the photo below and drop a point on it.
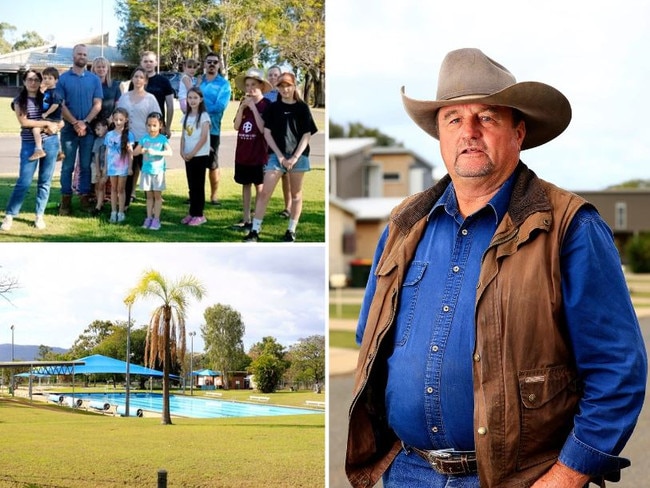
(440, 454)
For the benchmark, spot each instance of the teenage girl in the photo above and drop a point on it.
(119, 161)
(288, 127)
(153, 147)
(195, 151)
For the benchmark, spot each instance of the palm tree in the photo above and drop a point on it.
(166, 332)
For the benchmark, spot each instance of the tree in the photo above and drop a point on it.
(165, 339)
(308, 360)
(5, 46)
(188, 28)
(90, 338)
(269, 364)
(7, 283)
(268, 372)
(223, 335)
(357, 129)
(30, 39)
(301, 40)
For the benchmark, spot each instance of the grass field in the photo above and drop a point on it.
(84, 228)
(50, 446)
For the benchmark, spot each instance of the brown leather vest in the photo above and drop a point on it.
(525, 385)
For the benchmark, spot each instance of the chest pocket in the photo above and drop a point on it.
(408, 301)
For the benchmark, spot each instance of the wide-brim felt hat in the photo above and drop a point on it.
(256, 74)
(469, 76)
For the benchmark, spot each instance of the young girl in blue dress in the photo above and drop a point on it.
(154, 147)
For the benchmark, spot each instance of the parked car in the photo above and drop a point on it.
(174, 78)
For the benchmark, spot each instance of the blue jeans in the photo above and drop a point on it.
(410, 470)
(26, 174)
(71, 142)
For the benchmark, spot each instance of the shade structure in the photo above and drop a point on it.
(98, 364)
(206, 372)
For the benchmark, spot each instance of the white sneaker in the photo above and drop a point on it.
(121, 217)
(7, 222)
(39, 222)
(113, 218)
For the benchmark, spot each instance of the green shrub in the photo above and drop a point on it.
(638, 253)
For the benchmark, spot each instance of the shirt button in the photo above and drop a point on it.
(456, 269)
(532, 397)
(482, 430)
(477, 357)
(429, 390)
(434, 429)
(464, 232)
(445, 308)
(434, 348)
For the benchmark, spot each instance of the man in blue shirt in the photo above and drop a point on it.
(81, 91)
(499, 345)
(216, 95)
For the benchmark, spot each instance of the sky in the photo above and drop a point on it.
(595, 53)
(278, 290)
(62, 21)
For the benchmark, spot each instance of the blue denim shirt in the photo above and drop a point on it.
(79, 92)
(429, 387)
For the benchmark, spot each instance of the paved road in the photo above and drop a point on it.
(10, 148)
(340, 388)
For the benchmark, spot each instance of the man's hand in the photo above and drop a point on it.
(561, 476)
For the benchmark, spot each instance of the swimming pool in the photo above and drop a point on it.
(194, 407)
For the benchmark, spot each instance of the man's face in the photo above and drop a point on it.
(479, 141)
(149, 63)
(80, 57)
(211, 65)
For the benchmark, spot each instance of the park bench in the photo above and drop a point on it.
(314, 403)
(258, 398)
(213, 393)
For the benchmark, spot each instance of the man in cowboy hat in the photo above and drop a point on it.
(499, 345)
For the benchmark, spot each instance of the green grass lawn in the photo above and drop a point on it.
(343, 338)
(348, 310)
(50, 446)
(84, 228)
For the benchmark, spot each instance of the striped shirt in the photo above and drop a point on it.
(34, 112)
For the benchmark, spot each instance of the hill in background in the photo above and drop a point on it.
(23, 353)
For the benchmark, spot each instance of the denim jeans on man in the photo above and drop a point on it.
(409, 469)
(71, 142)
(26, 174)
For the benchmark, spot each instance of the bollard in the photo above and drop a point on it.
(162, 478)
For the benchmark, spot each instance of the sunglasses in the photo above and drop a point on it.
(212, 62)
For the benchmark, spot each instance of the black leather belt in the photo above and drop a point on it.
(446, 461)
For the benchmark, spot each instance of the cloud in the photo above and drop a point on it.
(595, 56)
(278, 290)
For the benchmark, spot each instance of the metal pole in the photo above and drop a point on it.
(128, 364)
(158, 54)
(102, 28)
(13, 384)
(192, 334)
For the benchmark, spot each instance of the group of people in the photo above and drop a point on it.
(111, 138)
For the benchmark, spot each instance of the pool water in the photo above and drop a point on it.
(193, 407)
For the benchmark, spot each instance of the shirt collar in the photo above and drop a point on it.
(498, 203)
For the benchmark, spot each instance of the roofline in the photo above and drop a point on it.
(24, 364)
